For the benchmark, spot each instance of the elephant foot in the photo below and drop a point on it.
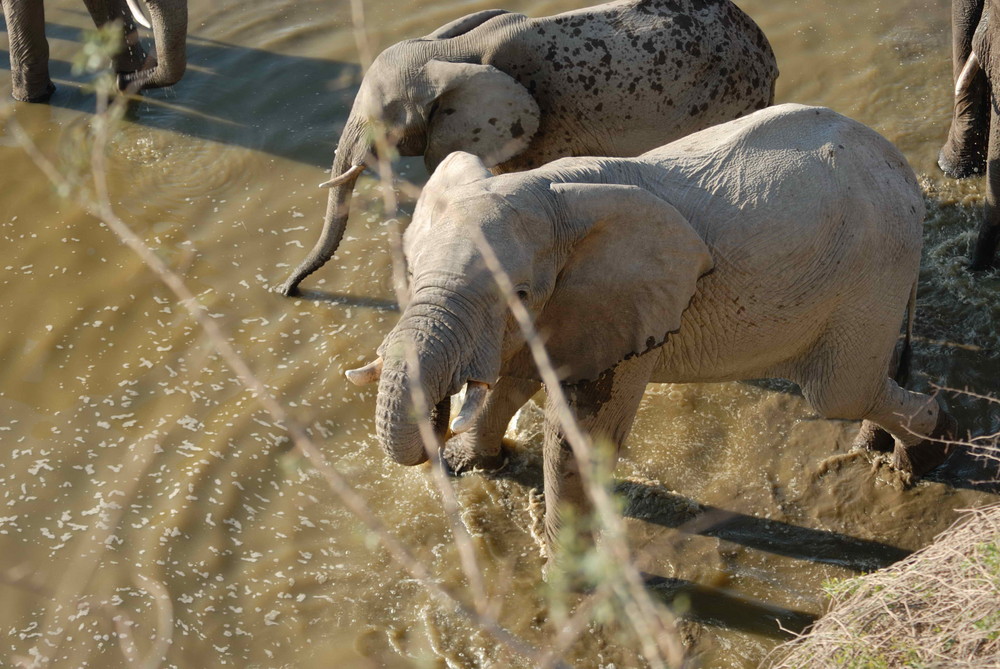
(918, 459)
(873, 439)
(459, 456)
(959, 168)
(44, 96)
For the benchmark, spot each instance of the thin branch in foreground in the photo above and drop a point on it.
(661, 644)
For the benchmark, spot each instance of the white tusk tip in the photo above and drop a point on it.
(460, 424)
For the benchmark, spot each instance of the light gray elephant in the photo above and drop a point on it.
(783, 244)
(29, 50)
(612, 80)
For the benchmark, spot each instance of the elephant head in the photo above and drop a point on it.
(427, 99)
(605, 270)
(974, 137)
(168, 20)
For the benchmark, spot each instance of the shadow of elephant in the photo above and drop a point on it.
(313, 95)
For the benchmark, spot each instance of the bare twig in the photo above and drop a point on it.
(660, 646)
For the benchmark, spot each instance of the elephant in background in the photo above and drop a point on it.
(29, 50)
(782, 244)
(612, 80)
(973, 143)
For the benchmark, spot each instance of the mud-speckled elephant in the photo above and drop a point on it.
(783, 244)
(612, 80)
(973, 143)
(29, 50)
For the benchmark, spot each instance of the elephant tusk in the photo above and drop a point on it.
(346, 176)
(364, 375)
(475, 398)
(971, 69)
(137, 14)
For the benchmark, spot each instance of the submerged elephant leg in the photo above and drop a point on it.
(29, 51)
(984, 253)
(873, 438)
(921, 426)
(604, 409)
(481, 446)
(853, 387)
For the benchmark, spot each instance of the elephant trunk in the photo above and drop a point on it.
(397, 423)
(170, 21)
(352, 150)
(446, 356)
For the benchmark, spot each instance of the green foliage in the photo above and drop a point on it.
(837, 588)
(100, 45)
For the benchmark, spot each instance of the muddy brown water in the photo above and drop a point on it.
(741, 502)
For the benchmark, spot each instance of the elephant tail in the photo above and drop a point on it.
(904, 354)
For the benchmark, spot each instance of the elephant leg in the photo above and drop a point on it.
(131, 57)
(873, 438)
(984, 254)
(481, 446)
(29, 51)
(854, 385)
(964, 152)
(604, 409)
(920, 426)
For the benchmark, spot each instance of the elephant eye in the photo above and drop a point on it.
(522, 294)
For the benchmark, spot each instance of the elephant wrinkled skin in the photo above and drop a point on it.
(612, 80)
(29, 50)
(783, 244)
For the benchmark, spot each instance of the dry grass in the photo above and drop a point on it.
(940, 607)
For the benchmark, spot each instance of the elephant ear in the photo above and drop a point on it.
(465, 24)
(630, 275)
(479, 109)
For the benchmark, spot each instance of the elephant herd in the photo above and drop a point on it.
(619, 175)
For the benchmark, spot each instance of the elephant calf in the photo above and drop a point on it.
(783, 244)
(612, 80)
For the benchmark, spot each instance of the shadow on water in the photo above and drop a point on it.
(667, 509)
(969, 469)
(342, 299)
(311, 95)
(658, 506)
(719, 607)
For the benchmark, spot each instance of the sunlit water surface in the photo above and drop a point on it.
(140, 482)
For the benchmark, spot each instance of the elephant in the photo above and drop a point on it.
(612, 80)
(29, 50)
(973, 143)
(782, 244)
